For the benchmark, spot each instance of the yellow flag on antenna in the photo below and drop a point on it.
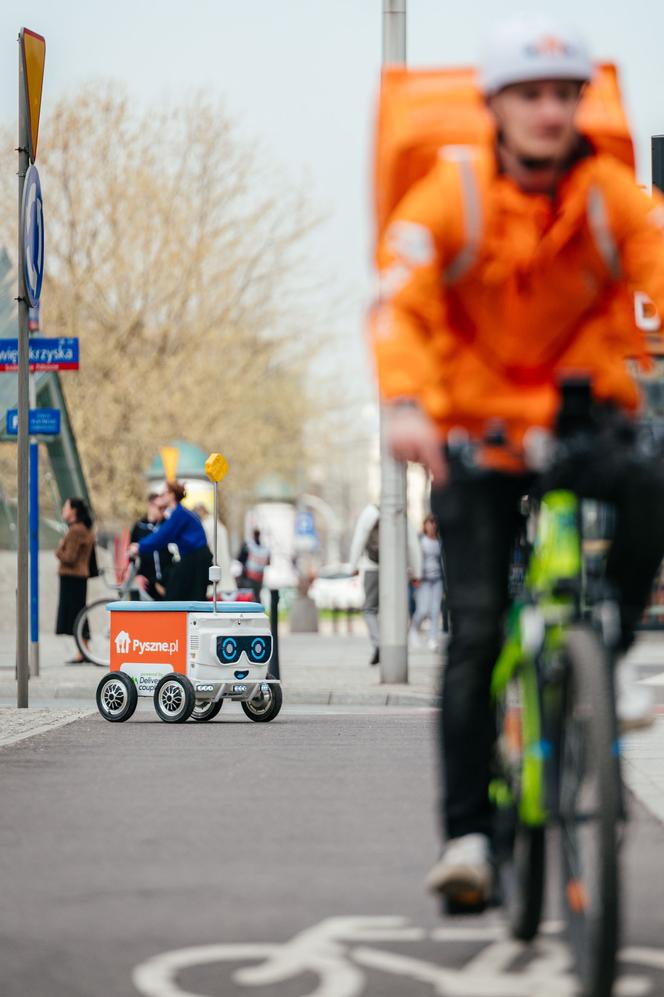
(33, 53)
(216, 467)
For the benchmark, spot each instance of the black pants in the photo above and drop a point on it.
(188, 578)
(479, 520)
(256, 587)
(73, 596)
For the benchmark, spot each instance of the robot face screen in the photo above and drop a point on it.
(258, 648)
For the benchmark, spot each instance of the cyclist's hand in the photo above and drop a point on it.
(160, 589)
(412, 436)
(132, 552)
(141, 582)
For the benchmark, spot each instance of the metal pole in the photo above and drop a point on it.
(23, 592)
(393, 565)
(657, 147)
(34, 558)
(216, 562)
(34, 537)
(274, 627)
(394, 31)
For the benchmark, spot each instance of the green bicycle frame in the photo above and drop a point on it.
(556, 556)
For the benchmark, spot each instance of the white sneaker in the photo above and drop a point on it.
(464, 872)
(414, 640)
(635, 703)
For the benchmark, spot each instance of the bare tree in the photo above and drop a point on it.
(178, 258)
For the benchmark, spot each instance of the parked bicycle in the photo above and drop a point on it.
(92, 627)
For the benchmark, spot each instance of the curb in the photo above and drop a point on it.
(298, 697)
(43, 726)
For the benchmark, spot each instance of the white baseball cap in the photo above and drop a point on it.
(533, 47)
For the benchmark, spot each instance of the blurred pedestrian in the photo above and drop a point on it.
(153, 568)
(223, 552)
(429, 593)
(254, 557)
(188, 577)
(74, 552)
(365, 557)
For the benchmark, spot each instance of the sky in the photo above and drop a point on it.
(301, 78)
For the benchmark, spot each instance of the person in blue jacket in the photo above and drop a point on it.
(188, 577)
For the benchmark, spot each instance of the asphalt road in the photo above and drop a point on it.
(169, 860)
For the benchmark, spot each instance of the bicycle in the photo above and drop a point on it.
(92, 626)
(557, 750)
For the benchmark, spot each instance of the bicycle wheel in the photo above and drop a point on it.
(520, 847)
(589, 799)
(92, 633)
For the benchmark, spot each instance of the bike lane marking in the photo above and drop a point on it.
(489, 978)
(317, 949)
(329, 950)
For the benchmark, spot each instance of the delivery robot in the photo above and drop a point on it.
(190, 656)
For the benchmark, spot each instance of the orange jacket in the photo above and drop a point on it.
(487, 293)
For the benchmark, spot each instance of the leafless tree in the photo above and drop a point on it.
(179, 258)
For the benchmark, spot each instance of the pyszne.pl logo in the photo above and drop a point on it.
(123, 644)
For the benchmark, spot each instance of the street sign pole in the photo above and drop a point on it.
(34, 540)
(393, 565)
(657, 147)
(23, 594)
(216, 469)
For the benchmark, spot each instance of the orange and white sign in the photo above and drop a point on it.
(33, 53)
(145, 638)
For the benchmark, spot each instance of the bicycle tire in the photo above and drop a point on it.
(95, 658)
(520, 848)
(528, 870)
(588, 736)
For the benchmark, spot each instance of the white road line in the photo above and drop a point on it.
(653, 680)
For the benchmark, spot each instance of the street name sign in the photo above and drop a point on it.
(42, 422)
(45, 354)
(304, 524)
(32, 233)
(33, 54)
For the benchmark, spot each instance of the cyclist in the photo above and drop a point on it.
(498, 273)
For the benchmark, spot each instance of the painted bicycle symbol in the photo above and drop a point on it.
(338, 952)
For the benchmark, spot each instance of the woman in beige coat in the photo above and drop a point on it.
(73, 552)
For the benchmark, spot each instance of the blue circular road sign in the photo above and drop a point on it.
(33, 236)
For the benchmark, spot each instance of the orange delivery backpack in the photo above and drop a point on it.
(421, 111)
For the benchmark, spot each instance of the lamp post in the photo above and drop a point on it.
(392, 569)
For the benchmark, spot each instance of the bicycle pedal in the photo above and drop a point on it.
(464, 904)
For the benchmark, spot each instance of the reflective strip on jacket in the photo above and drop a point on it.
(487, 293)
